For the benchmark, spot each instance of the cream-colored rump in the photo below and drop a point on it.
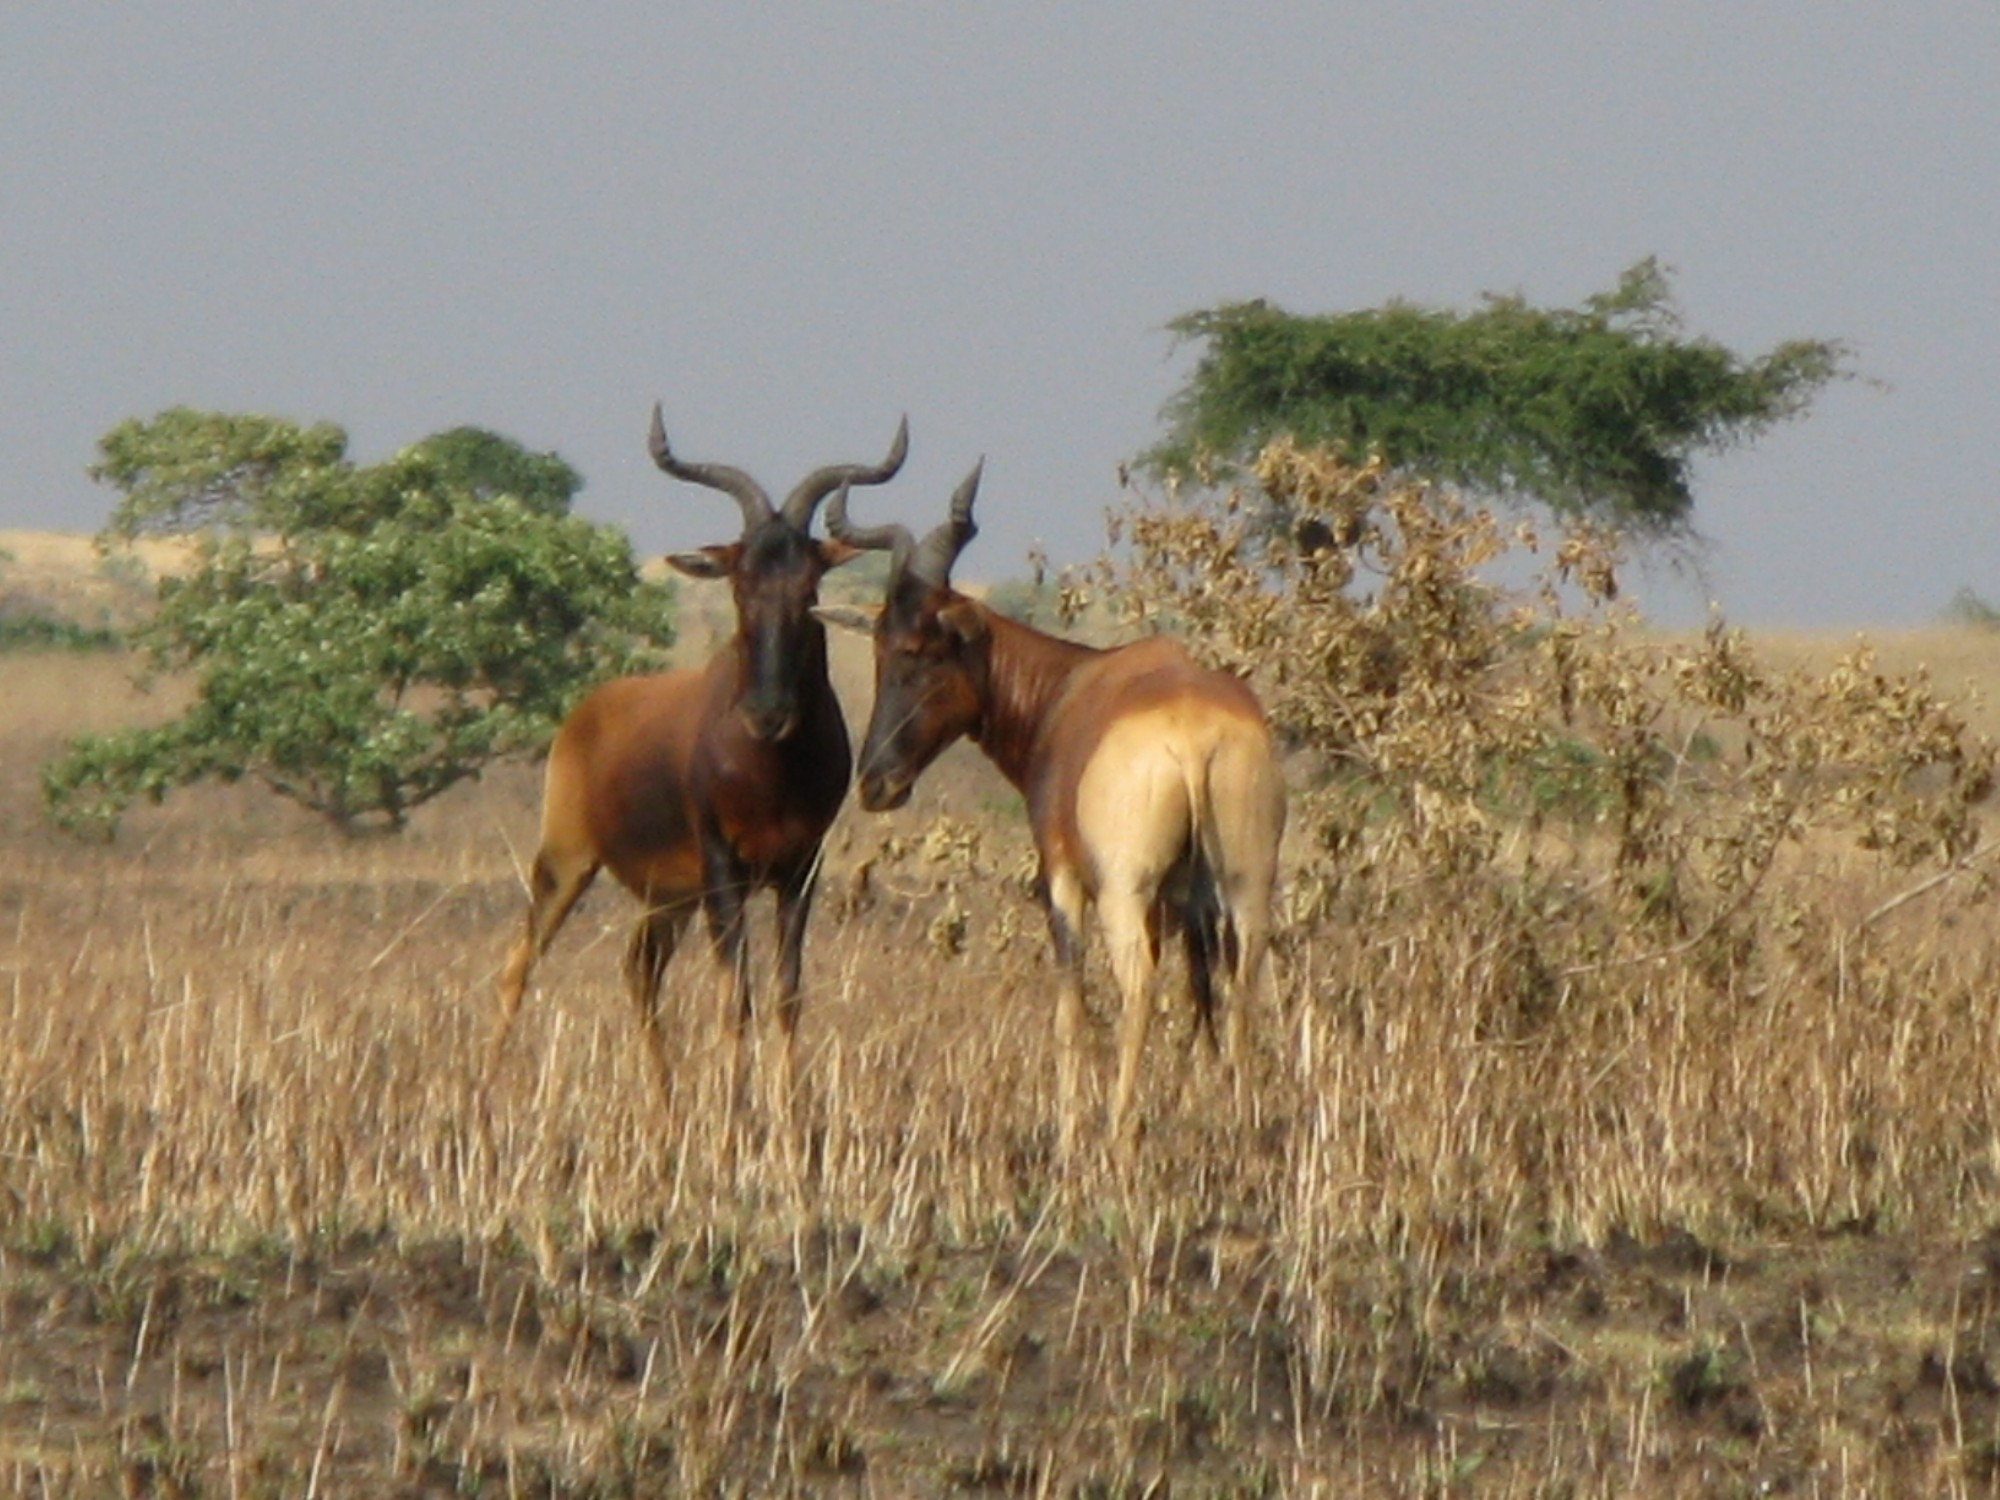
(1160, 778)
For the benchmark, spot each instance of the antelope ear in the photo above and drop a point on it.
(848, 616)
(962, 618)
(709, 562)
(833, 552)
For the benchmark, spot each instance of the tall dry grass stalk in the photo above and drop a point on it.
(199, 1063)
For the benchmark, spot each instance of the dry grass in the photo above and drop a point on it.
(1486, 1230)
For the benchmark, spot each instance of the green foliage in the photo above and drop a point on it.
(45, 632)
(488, 464)
(28, 623)
(1031, 601)
(361, 638)
(861, 581)
(1969, 608)
(187, 470)
(1598, 409)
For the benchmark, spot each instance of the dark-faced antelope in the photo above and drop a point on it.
(1151, 783)
(697, 788)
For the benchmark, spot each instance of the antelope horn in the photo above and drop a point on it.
(816, 486)
(935, 554)
(893, 538)
(748, 493)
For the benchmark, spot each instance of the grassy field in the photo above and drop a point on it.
(265, 1228)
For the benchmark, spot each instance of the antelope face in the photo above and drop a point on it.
(932, 652)
(774, 574)
(774, 570)
(930, 673)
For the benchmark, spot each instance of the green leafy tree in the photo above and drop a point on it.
(360, 638)
(1598, 409)
(488, 465)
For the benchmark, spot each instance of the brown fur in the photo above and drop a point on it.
(697, 789)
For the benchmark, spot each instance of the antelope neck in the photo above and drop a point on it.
(1027, 672)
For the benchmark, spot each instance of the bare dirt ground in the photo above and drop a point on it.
(373, 1365)
(267, 1228)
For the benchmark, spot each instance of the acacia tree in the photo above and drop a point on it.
(1594, 410)
(360, 637)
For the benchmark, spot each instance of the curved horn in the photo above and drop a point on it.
(893, 538)
(816, 486)
(932, 560)
(748, 493)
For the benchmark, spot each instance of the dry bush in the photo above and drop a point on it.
(1451, 717)
(1599, 863)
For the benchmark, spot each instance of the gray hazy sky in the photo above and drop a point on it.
(794, 222)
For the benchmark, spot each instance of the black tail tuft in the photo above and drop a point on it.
(1211, 933)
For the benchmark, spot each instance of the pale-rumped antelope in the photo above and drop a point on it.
(1152, 785)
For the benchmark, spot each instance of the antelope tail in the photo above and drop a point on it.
(1236, 811)
(1208, 900)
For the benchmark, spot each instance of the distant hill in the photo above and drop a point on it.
(61, 575)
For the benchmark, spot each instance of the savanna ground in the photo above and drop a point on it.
(267, 1229)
